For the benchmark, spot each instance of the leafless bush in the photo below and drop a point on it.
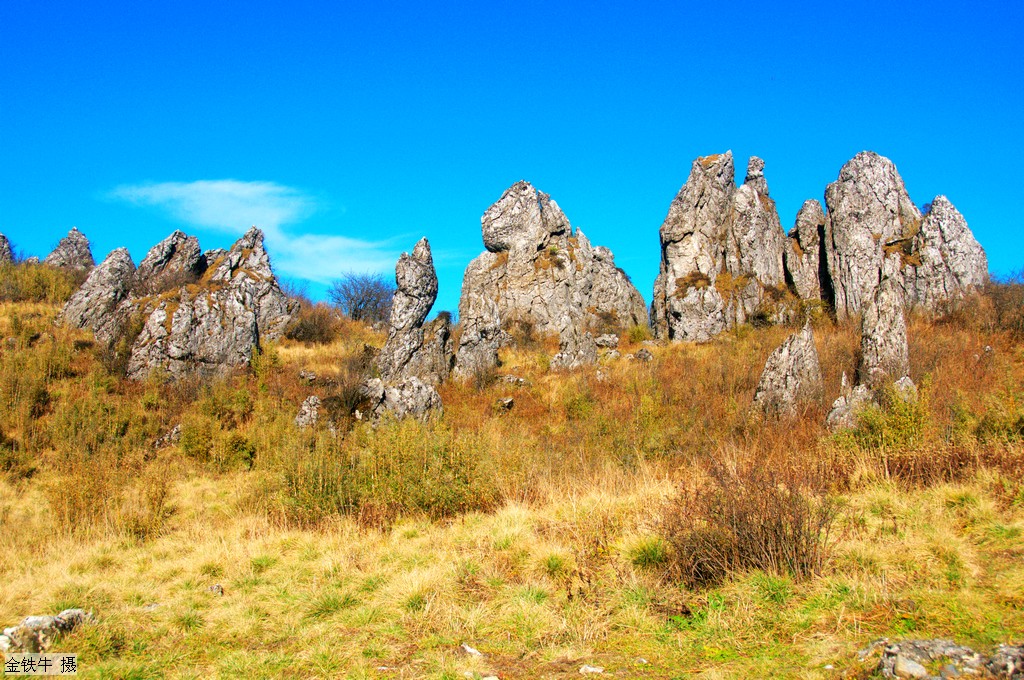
(756, 516)
(363, 296)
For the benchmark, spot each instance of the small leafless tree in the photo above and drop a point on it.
(363, 296)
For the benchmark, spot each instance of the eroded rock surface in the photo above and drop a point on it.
(885, 356)
(537, 274)
(869, 212)
(216, 325)
(722, 253)
(95, 305)
(946, 260)
(174, 262)
(407, 398)
(804, 257)
(412, 349)
(72, 252)
(6, 252)
(36, 634)
(791, 375)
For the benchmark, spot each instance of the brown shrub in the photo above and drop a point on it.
(774, 517)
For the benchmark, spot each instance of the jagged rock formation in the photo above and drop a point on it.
(174, 262)
(217, 324)
(949, 261)
(412, 349)
(869, 211)
(883, 345)
(805, 261)
(95, 305)
(721, 253)
(871, 216)
(414, 359)
(885, 358)
(539, 275)
(6, 253)
(791, 375)
(72, 252)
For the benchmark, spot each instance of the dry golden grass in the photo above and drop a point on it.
(534, 535)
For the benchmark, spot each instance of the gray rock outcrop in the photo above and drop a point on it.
(538, 274)
(408, 398)
(72, 252)
(36, 634)
(721, 253)
(576, 348)
(791, 375)
(217, 325)
(309, 412)
(847, 406)
(412, 349)
(6, 252)
(946, 260)
(97, 304)
(804, 258)
(885, 355)
(174, 262)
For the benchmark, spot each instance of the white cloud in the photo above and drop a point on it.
(230, 206)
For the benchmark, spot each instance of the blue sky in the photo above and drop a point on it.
(348, 131)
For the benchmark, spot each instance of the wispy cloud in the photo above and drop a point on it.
(230, 206)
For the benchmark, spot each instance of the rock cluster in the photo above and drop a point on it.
(726, 261)
(6, 252)
(414, 358)
(196, 317)
(539, 276)
(721, 253)
(871, 217)
(35, 634)
(791, 375)
(207, 329)
(72, 252)
(911, 659)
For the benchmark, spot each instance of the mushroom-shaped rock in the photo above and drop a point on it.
(541, 275)
(791, 375)
(97, 304)
(869, 214)
(175, 261)
(72, 252)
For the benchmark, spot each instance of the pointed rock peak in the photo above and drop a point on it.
(248, 254)
(809, 219)
(73, 252)
(755, 176)
(718, 167)
(174, 261)
(522, 219)
(422, 251)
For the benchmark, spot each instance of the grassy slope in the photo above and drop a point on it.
(564, 567)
